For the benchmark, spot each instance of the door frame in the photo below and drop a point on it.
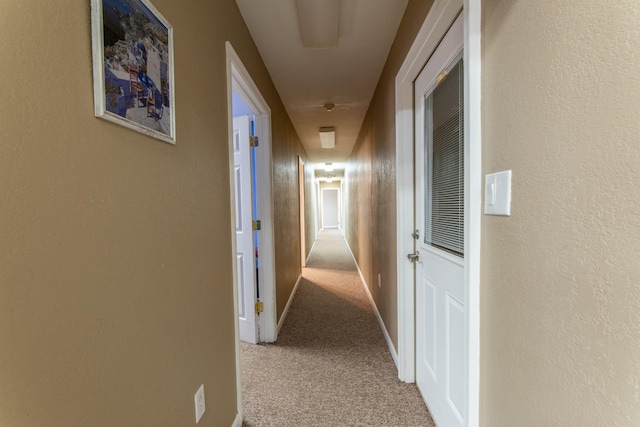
(435, 26)
(240, 81)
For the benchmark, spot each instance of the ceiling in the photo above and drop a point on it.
(309, 78)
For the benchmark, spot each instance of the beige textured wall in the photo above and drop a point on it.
(560, 329)
(371, 213)
(115, 264)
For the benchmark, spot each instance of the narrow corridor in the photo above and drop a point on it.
(331, 365)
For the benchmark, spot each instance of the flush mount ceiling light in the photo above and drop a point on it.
(327, 137)
(329, 107)
(318, 22)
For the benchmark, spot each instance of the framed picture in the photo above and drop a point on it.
(133, 67)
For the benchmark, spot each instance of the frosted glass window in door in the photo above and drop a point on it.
(444, 162)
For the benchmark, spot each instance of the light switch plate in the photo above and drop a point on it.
(497, 193)
(200, 406)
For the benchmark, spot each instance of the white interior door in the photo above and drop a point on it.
(303, 226)
(330, 208)
(441, 306)
(245, 257)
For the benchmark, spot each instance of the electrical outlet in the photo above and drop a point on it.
(379, 280)
(199, 399)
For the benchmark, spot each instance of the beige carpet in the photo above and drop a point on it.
(331, 365)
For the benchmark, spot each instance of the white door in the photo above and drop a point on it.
(245, 260)
(330, 208)
(441, 332)
(303, 226)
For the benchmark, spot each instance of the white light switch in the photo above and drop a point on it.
(497, 193)
(200, 406)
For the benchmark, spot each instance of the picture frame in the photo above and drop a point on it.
(133, 77)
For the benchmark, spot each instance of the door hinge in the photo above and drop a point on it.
(256, 225)
(259, 307)
(253, 141)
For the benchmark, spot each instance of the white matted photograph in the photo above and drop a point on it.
(133, 67)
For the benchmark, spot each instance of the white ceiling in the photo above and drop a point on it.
(308, 78)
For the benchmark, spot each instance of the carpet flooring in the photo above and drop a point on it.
(331, 365)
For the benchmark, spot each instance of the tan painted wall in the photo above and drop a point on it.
(115, 264)
(371, 206)
(560, 312)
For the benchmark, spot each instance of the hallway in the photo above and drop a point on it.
(331, 365)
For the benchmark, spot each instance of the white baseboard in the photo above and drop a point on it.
(286, 307)
(387, 338)
(238, 421)
(306, 261)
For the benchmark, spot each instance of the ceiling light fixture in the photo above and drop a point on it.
(327, 137)
(328, 167)
(329, 107)
(318, 22)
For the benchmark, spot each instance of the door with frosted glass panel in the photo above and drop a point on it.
(441, 303)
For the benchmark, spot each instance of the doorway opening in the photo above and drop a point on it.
(441, 302)
(253, 122)
(330, 207)
(440, 18)
(244, 95)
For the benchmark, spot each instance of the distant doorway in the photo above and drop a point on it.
(330, 202)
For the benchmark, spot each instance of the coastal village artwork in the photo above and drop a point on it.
(133, 66)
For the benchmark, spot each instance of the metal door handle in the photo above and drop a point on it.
(414, 257)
